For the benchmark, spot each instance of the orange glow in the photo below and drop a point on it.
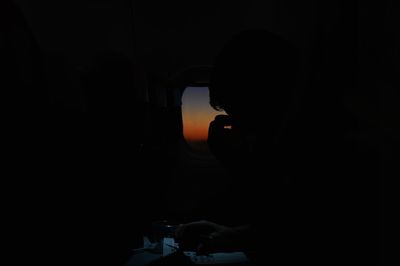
(197, 114)
(196, 130)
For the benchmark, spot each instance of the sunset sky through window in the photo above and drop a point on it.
(197, 114)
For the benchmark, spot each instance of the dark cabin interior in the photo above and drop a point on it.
(93, 140)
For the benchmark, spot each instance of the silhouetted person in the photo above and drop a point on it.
(296, 170)
(252, 82)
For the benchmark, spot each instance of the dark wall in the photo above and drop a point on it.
(79, 30)
(72, 35)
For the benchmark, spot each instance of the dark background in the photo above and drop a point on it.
(85, 168)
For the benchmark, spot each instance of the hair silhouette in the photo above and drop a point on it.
(254, 74)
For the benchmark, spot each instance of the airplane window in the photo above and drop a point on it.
(197, 115)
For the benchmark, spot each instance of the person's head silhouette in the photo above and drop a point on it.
(253, 77)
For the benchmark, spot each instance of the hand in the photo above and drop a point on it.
(224, 139)
(207, 237)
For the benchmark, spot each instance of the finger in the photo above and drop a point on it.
(180, 231)
(214, 235)
(201, 250)
(191, 227)
(206, 246)
(198, 223)
(221, 120)
(217, 129)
